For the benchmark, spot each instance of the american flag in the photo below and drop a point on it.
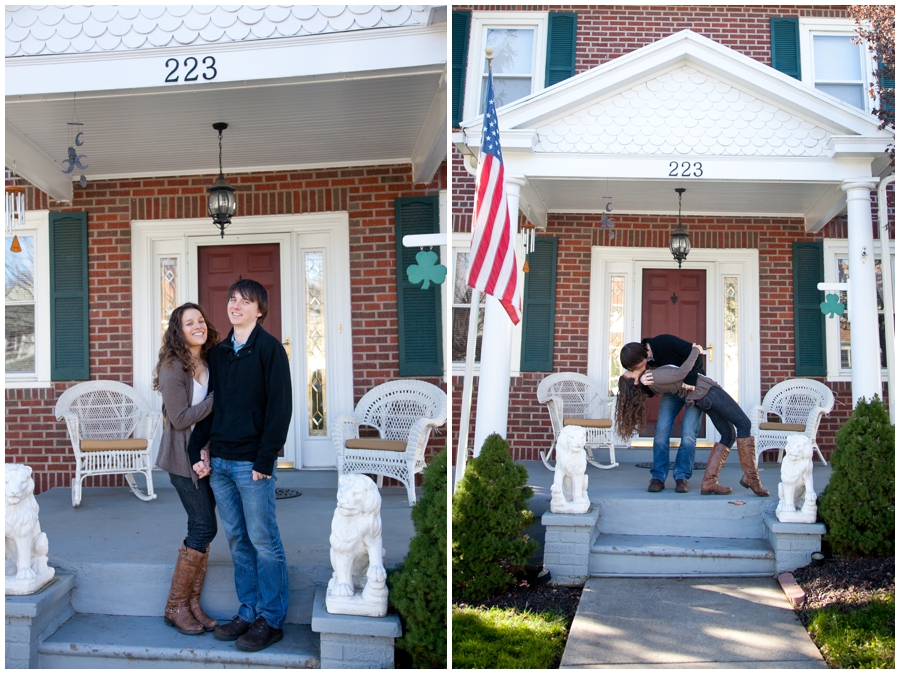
(492, 258)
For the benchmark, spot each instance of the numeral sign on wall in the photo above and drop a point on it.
(190, 67)
(685, 169)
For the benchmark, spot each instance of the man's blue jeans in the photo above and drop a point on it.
(669, 407)
(247, 511)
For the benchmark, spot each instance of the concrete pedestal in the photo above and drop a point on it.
(32, 618)
(350, 642)
(792, 542)
(567, 545)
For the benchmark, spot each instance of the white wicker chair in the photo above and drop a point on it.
(404, 412)
(111, 428)
(576, 400)
(800, 405)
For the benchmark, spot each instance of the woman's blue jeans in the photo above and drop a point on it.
(669, 407)
(200, 506)
(726, 415)
(247, 511)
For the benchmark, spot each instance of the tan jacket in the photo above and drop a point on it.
(669, 379)
(177, 389)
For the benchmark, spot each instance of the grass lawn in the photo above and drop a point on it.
(856, 638)
(499, 638)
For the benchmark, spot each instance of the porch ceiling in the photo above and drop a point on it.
(288, 123)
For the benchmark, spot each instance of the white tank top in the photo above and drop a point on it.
(200, 391)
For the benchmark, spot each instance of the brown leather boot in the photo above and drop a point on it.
(178, 610)
(747, 455)
(710, 483)
(209, 624)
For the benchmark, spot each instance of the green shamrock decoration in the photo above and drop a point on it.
(831, 306)
(426, 270)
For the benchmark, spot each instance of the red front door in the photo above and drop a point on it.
(674, 303)
(220, 266)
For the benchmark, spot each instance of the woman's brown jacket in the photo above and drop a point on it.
(177, 389)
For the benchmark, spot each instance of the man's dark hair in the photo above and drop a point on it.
(253, 291)
(632, 355)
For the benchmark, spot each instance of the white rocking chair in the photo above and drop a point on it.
(111, 428)
(404, 412)
(800, 405)
(573, 399)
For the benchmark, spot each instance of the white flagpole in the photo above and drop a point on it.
(466, 402)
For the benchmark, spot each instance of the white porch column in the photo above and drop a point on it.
(492, 410)
(863, 309)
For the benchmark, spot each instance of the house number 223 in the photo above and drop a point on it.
(208, 73)
(685, 168)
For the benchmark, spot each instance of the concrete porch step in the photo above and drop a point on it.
(671, 556)
(92, 641)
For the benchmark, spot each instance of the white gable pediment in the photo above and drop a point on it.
(686, 111)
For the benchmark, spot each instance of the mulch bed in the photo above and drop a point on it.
(844, 583)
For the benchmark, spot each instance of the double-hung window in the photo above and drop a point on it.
(519, 41)
(838, 329)
(27, 303)
(833, 63)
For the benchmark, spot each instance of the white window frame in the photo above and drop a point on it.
(835, 249)
(481, 22)
(37, 223)
(811, 27)
(462, 242)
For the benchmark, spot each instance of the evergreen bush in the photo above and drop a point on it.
(857, 506)
(419, 587)
(490, 512)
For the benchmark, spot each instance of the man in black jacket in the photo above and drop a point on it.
(668, 350)
(250, 379)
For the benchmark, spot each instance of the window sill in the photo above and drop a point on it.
(27, 383)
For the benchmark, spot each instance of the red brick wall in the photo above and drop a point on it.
(32, 433)
(529, 429)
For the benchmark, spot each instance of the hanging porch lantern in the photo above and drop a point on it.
(680, 244)
(221, 201)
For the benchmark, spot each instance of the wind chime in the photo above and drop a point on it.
(606, 222)
(527, 233)
(15, 208)
(73, 159)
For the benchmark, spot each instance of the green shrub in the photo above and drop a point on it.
(857, 506)
(490, 511)
(419, 586)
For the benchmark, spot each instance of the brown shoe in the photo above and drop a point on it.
(710, 483)
(236, 628)
(259, 636)
(747, 454)
(178, 610)
(656, 485)
(209, 624)
(681, 487)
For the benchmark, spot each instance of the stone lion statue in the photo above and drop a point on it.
(26, 544)
(796, 496)
(357, 555)
(569, 491)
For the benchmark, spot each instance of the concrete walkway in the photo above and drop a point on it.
(690, 623)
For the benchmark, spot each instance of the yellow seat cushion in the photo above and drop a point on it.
(588, 423)
(772, 426)
(375, 443)
(131, 444)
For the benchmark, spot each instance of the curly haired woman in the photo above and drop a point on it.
(182, 377)
(726, 415)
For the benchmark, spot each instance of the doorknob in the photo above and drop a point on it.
(287, 347)
(709, 352)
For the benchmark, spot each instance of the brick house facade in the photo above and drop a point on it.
(367, 194)
(604, 34)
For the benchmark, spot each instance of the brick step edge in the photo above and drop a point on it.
(792, 590)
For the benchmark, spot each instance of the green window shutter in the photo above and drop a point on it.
(418, 310)
(539, 307)
(460, 49)
(887, 83)
(785, 34)
(809, 321)
(560, 47)
(69, 297)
